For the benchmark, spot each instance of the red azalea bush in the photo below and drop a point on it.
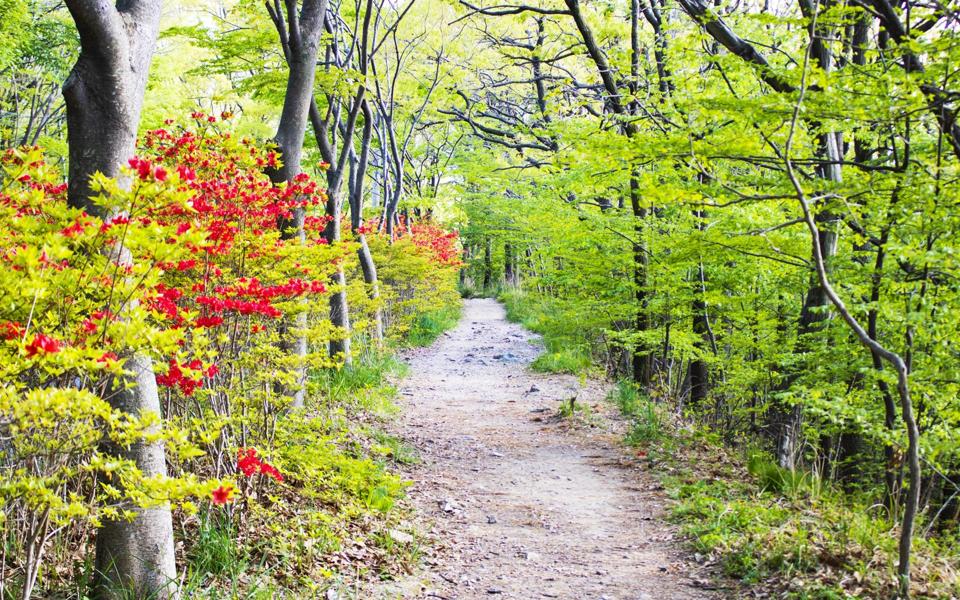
(418, 271)
(192, 271)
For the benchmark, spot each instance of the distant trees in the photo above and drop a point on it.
(658, 201)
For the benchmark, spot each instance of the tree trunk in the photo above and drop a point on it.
(339, 309)
(300, 39)
(104, 97)
(787, 421)
(369, 269)
(642, 357)
(487, 264)
(509, 271)
(138, 556)
(367, 264)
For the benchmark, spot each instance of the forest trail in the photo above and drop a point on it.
(522, 503)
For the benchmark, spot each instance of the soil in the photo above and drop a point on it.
(518, 501)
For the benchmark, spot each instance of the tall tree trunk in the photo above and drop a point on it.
(300, 39)
(642, 356)
(487, 264)
(787, 421)
(339, 309)
(509, 271)
(699, 371)
(104, 97)
(367, 265)
(137, 556)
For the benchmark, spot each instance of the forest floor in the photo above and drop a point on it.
(517, 501)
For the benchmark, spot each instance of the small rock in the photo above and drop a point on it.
(401, 537)
(491, 519)
(533, 389)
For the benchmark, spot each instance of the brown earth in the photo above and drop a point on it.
(516, 501)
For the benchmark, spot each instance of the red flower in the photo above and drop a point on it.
(11, 330)
(42, 343)
(270, 471)
(107, 357)
(211, 321)
(186, 173)
(222, 494)
(249, 464)
(160, 174)
(88, 326)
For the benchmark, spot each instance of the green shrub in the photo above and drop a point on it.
(646, 417)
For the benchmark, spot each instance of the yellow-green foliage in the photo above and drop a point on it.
(416, 286)
(215, 313)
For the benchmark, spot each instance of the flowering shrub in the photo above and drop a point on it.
(418, 272)
(191, 270)
(442, 245)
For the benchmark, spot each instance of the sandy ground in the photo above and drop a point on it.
(519, 502)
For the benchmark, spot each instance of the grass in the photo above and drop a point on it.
(647, 420)
(364, 384)
(564, 351)
(474, 290)
(787, 533)
(395, 449)
(784, 533)
(428, 326)
(565, 360)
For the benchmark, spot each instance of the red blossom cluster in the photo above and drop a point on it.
(253, 288)
(42, 344)
(222, 494)
(11, 330)
(175, 376)
(230, 201)
(441, 243)
(249, 463)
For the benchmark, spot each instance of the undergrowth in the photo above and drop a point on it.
(342, 520)
(428, 326)
(566, 350)
(787, 532)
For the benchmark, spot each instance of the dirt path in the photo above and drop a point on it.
(525, 504)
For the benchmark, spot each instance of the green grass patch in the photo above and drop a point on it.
(395, 449)
(427, 327)
(566, 350)
(566, 360)
(365, 384)
(790, 533)
(475, 290)
(647, 419)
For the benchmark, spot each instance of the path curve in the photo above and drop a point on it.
(523, 505)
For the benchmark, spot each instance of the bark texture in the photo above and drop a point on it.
(299, 33)
(104, 98)
(138, 556)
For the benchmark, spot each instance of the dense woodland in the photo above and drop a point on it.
(222, 218)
